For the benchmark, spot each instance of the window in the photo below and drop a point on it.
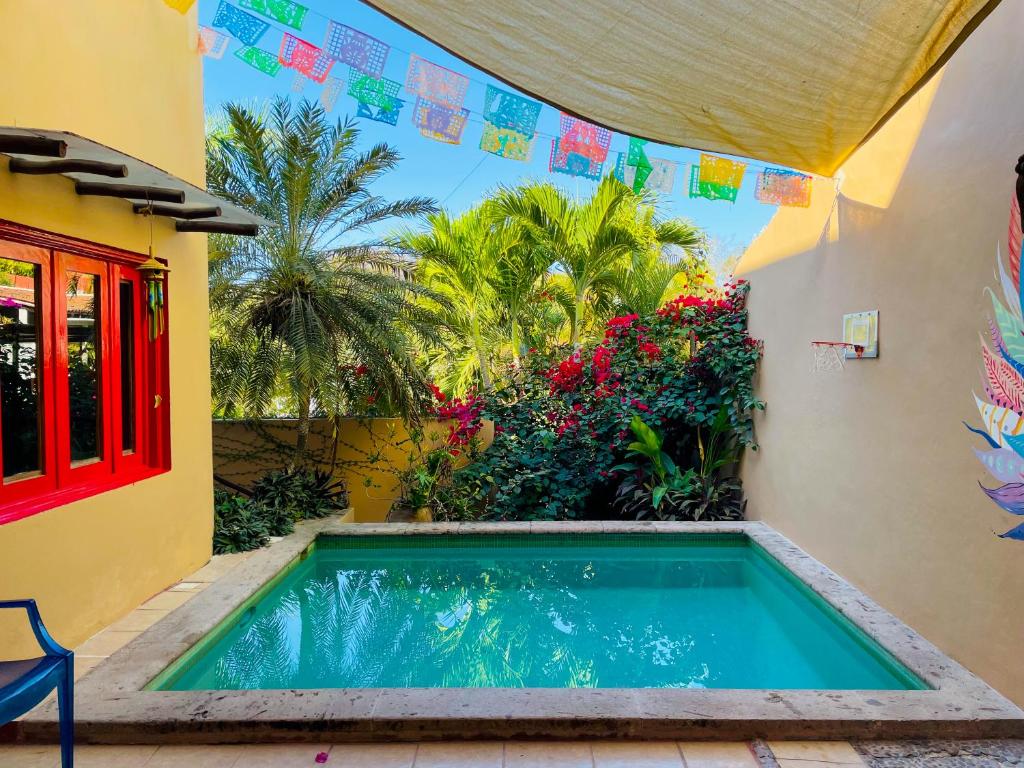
(83, 389)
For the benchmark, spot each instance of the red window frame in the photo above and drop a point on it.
(60, 481)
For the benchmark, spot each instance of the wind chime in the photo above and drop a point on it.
(153, 278)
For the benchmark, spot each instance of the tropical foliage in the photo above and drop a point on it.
(596, 243)
(675, 387)
(278, 500)
(545, 313)
(299, 306)
(532, 268)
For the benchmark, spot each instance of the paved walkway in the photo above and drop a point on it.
(444, 755)
(598, 754)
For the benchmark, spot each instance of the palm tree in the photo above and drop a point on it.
(591, 240)
(486, 269)
(299, 307)
(519, 271)
(584, 239)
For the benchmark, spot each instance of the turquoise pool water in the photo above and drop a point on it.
(560, 611)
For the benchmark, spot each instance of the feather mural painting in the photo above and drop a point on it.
(1002, 412)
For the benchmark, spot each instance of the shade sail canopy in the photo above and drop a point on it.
(801, 83)
(99, 170)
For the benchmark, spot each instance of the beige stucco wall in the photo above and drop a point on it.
(871, 469)
(368, 454)
(125, 74)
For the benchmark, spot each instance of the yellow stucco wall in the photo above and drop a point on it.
(370, 454)
(124, 73)
(871, 469)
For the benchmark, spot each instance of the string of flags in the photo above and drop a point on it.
(438, 96)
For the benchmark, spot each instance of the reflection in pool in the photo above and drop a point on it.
(610, 611)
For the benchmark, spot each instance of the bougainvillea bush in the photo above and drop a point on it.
(563, 429)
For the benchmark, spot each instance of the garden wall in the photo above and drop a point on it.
(871, 469)
(368, 454)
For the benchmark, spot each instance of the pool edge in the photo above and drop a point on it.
(114, 708)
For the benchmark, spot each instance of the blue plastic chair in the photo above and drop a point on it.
(26, 682)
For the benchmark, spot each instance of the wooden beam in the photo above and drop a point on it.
(218, 227)
(39, 167)
(196, 212)
(32, 145)
(157, 194)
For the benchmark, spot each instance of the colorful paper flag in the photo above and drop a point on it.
(243, 26)
(439, 122)
(637, 158)
(181, 6)
(257, 58)
(661, 178)
(299, 82)
(435, 84)
(506, 142)
(573, 163)
(305, 58)
(358, 50)
(505, 110)
(330, 93)
(620, 167)
(778, 187)
(583, 138)
(212, 43)
(716, 178)
(287, 12)
(386, 114)
(378, 92)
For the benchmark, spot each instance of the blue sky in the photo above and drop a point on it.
(455, 175)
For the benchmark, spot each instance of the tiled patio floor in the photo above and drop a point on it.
(103, 644)
(583, 754)
(441, 755)
(598, 754)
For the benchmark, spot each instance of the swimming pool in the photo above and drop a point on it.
(539, 611)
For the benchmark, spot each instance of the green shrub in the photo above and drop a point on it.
(238, 524)
(301, 494)
(562, 426)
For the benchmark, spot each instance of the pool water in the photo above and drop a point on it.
(537, 611)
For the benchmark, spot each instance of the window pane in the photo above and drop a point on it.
(127, 308)
(20, 412)
(83, 308)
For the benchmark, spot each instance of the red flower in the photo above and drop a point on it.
(568, 424)
(623, 322)
(438, 394)
(601, 365)
(567, 375)
(649, 348)
(619, 325)
(361, 370)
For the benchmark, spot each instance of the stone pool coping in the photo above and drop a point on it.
(112, 707)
